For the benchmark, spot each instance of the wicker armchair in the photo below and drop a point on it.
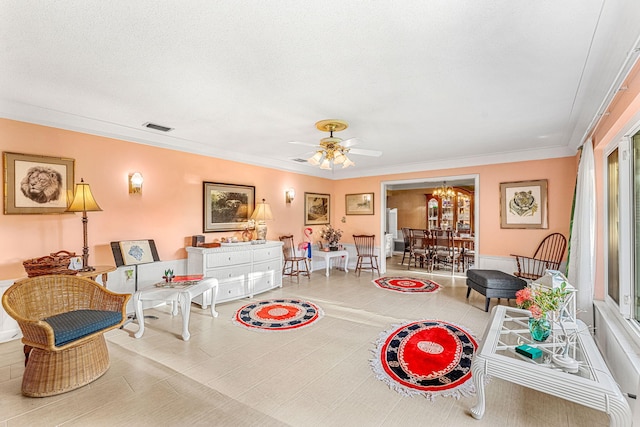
(63, 319)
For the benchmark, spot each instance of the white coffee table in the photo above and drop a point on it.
(332, 254)
(180, 294)
(592, 386)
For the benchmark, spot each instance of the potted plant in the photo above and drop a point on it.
(541, 301)
(332, 236)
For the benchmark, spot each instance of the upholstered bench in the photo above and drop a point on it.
(493, 284)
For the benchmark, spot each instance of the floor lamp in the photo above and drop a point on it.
(84, 202)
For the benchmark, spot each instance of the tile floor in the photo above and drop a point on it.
(316, 376)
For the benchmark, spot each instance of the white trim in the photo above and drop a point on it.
(437, 179)
(625, 256)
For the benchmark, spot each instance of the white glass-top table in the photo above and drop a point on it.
(592, 385)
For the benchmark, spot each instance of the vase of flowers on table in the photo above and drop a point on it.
(331, 236)
(541, 302)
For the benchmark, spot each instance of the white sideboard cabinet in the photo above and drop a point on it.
(242, 270)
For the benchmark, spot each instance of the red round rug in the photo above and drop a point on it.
(406, 284)
(428, 357)
(278, 314)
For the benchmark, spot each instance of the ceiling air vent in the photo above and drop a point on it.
(300, 160)
(157, 127)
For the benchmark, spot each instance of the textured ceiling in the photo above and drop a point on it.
(431, 84)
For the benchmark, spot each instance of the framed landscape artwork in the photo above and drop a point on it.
(37, 184)
(317, 208)
(359, 204)
(523, 204)
(227, 207)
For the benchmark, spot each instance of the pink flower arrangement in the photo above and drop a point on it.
(540, 301)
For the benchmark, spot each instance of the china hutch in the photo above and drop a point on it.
(451, 213)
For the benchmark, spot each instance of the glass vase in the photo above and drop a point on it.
(540, 328)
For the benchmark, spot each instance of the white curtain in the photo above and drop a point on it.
(581, 267)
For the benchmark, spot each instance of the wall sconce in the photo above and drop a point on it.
(135, 183)
(289, 195)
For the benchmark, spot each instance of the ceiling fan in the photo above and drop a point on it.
(333, 150)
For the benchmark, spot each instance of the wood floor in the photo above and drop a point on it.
(316, 376)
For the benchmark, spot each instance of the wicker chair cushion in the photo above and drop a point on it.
(76, 324)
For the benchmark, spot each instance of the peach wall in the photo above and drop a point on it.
(170, 208)
(494, 241)
(168, 211)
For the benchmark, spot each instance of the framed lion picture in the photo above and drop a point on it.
(37, 184)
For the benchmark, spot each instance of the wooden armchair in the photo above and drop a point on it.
(63, 319)
(548, 256)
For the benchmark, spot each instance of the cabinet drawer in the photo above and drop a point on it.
(238, 272)
(231, 289)
(265, 254)
(266, 275)
(228, 258)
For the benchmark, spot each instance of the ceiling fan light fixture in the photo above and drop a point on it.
(339, 158)
(326, 164)
(347, 163)
(315, 159)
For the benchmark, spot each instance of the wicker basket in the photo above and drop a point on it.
(56, 263)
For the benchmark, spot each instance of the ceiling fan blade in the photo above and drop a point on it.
(350, 142)
(303, 143)
(372, 153)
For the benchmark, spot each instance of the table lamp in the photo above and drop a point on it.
(262, 213)
(84, 202)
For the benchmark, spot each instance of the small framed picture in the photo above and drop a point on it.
(317, 208)
(37, 184)
(523, 204)
(359, 204)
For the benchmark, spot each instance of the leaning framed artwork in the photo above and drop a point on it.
(523, 204)
(359, 204)
(36, 184)
(227, 207)
(317, 208)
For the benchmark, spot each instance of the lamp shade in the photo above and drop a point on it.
(262, 212)
(83, 200)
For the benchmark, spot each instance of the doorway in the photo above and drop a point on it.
(465, 181)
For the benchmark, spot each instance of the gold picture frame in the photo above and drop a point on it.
(523, 204)
(317, 208)
(359, 204)
(35, 184)
(227, 207)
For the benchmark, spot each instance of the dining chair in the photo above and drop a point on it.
(468, 254)
(420, 249)
(446, 252)
(406, 236)
(365, 248)
(292, 260)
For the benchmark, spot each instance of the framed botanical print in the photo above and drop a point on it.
(227, 207)
(36, 184)
(359, 204)
(317, 208)
(523, 204)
